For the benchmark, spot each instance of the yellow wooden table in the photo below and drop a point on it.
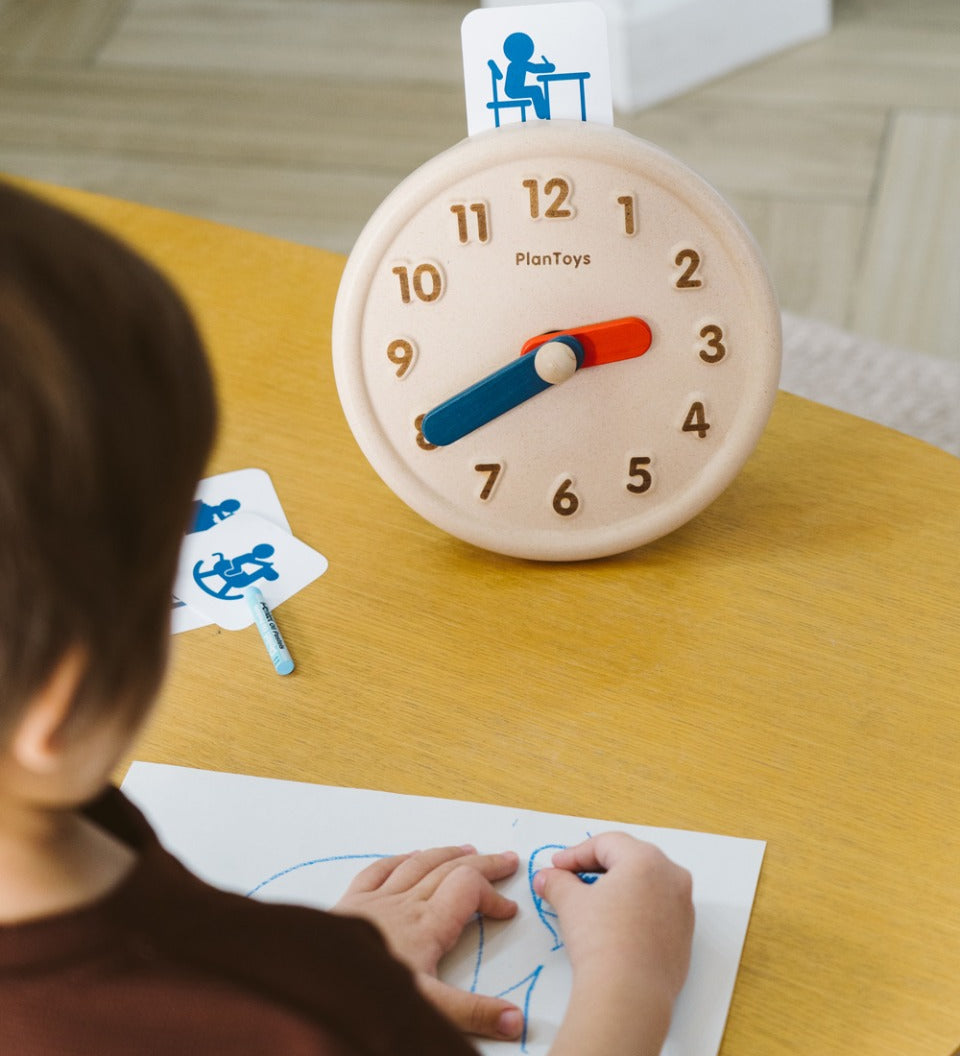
(785, 667)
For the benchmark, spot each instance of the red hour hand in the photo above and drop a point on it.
(608, 342)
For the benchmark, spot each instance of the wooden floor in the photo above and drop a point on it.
(295, 117)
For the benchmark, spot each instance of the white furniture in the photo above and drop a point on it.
(661, 48)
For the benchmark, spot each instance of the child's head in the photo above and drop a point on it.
(107, 415)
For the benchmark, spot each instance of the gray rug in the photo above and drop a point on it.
(907, 391)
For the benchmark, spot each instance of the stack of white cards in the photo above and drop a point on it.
(239, 537)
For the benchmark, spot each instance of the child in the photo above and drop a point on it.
(107, 944)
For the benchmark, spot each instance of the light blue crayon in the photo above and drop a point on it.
(269, 632)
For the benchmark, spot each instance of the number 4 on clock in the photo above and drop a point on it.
(696, 420)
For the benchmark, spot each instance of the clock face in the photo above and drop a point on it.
(555, 341)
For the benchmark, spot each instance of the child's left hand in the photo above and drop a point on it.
(421, 903)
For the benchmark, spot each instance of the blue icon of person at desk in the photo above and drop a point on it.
(229, 574)
(518, 94)
(518, 48)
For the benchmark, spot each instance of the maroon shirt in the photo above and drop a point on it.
(166, 965)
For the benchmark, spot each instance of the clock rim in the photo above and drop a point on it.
(465, 159)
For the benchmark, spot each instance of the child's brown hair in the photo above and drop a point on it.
(107, 414)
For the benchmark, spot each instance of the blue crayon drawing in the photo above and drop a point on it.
(227, 576)
(521, 991)
(313, 861)
(544, 910)
(519, 92)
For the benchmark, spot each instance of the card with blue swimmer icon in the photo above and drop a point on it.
(245, 550)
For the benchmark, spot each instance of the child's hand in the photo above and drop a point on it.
(634, 922)
(421, 902)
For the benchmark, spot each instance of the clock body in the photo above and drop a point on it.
(540, 229)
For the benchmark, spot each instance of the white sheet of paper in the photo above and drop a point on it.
(287, 841)
(535, 63)
(218, 498)
(245, 550)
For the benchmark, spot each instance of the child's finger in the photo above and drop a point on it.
(487, 1017)
(465, 892)
(489, 866)
(492, 867)
(416, 867)
(374, 875)
(556, 886)
(601, 852)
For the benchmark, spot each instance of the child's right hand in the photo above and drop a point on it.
(629, 933)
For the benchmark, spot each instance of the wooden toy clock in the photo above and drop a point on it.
(555, 341)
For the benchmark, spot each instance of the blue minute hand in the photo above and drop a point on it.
(499, 392)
